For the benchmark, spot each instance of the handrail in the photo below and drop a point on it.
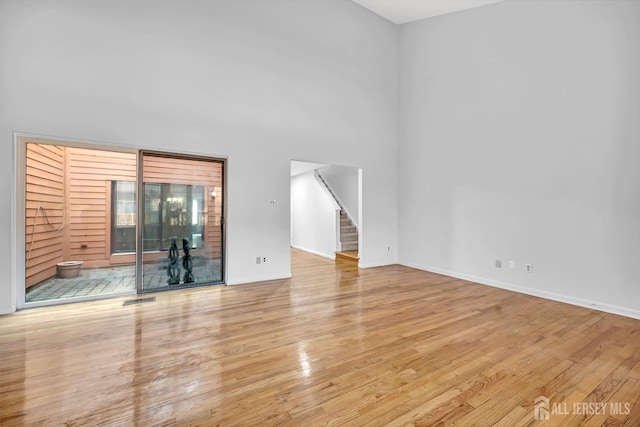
(328, 187)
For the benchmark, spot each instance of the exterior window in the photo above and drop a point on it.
(170, 210)
(123, 195)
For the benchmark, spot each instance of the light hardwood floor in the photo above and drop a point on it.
(333, 346)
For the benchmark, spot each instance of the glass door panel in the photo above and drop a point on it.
(152, 217)
(182, 222)
(80, 221)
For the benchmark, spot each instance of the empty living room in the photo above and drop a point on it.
(320, 212)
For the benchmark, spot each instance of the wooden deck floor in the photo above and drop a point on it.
(334, 345)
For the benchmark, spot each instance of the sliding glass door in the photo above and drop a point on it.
(181, 213)
(105, 222)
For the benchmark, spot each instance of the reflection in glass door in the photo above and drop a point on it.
(181, 212)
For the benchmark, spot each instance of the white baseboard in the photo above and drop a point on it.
(311, 251)
(373, 265)
(245, 281)
(595, 305)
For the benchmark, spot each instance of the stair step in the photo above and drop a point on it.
(348, 237)
(350, 246)
(351, 256)
(348, 229)
(345, 221)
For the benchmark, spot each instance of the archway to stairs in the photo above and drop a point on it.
(326, 202)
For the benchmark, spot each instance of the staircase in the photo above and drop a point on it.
(348, 230)
(348, 241)
(348, 234)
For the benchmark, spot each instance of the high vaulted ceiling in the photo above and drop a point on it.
(402, 11)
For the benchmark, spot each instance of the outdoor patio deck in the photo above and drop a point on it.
(113, 280)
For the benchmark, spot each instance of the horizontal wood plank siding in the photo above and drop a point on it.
(90, 175)
(45, 213)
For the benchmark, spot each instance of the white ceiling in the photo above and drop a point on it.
(402, 11)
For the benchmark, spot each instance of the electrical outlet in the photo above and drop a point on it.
(498, 263)
(258, 260)
(264, 259)
(528, 268)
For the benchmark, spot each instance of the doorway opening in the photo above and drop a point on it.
(104, 222)
(326, 212)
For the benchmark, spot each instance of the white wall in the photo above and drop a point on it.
(518, 137)
(519, 140)
(261, 82)
(344, 183)
(313, 216)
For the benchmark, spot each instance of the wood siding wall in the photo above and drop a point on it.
(72, 188)
(89, 178)
(45, 214)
